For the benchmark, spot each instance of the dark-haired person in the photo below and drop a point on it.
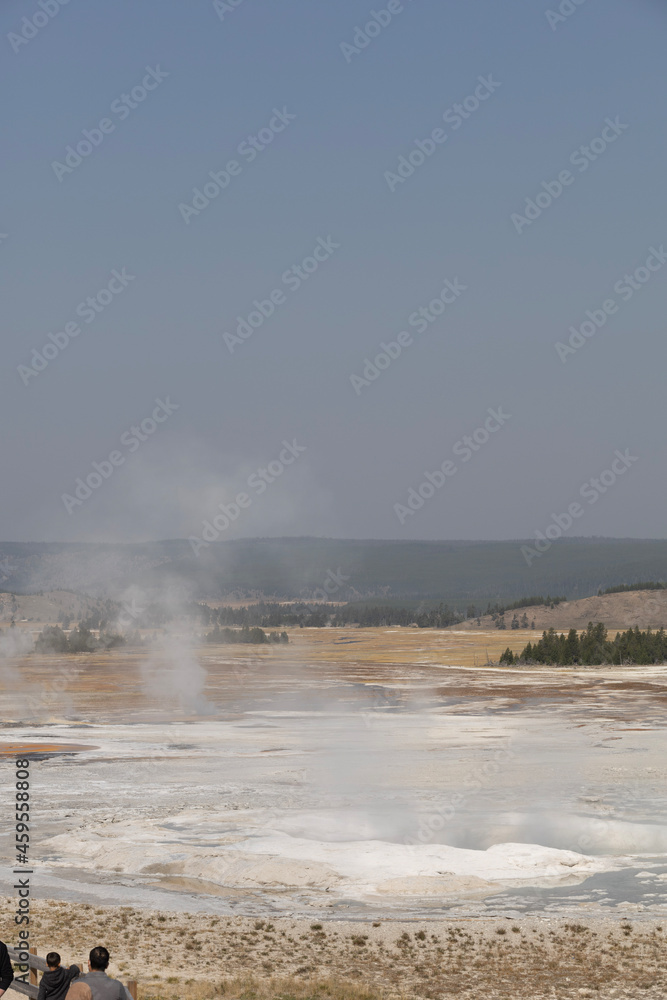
(6, 971)
(103, 987)
(55, 982)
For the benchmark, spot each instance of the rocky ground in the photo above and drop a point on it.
(203, 956)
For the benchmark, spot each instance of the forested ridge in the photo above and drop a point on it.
(458, 573)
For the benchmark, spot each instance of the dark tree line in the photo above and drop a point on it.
(368, 616)
(524, 602)
(593, 647)
(623, 587)
(262, 615)
(255, 636)
(52, 639)
(267, 615)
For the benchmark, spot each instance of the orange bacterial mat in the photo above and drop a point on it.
(16, 749)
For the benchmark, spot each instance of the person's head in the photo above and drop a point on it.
(99, 958)
(53, 959)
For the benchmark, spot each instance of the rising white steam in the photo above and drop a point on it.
(172, 676)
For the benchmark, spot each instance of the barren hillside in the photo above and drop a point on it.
(49, 607)
(645, 608)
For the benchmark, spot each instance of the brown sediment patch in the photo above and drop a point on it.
(643, 686)
(18, 748)
(547, 688)
(198, 886)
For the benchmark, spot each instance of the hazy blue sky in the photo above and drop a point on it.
(324, 176)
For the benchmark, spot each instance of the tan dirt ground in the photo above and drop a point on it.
(201, 956)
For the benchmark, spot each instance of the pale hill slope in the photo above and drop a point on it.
(49, 607)
(644, 608)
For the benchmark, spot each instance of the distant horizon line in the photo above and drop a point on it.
(330, 538)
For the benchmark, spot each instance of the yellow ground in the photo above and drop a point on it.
(381, 645)
(406, 645)
(445, 662)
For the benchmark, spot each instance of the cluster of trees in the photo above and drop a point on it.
(498, 611)
(255, 636)
(499, 621)
(52, 639)
(440, 616)
(593, 647)
(300, 615)
(369, 615)
(264, 615)
(623, 587)
(100, 617)
(525, 602)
